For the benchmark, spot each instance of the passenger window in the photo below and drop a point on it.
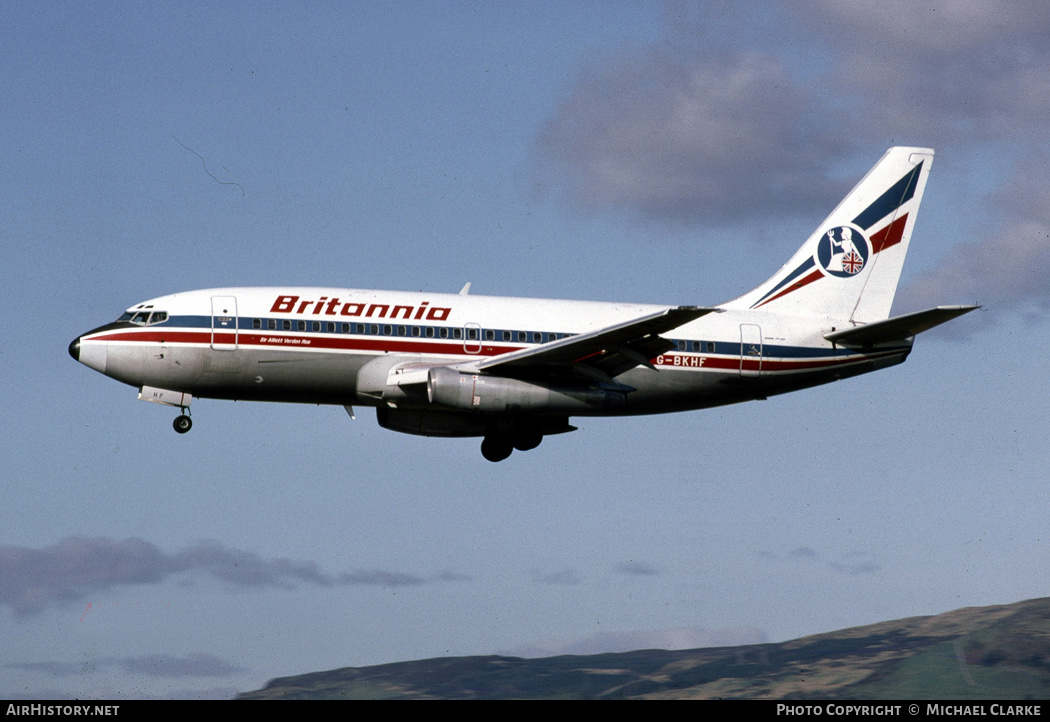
(388, 330)
(286, 325)
(301, 325)
(710, 346)
(272, 324)
(415, 331)
(430, 332)
(490, 335)
(256, 323)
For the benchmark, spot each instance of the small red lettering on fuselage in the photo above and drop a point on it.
(334, 306)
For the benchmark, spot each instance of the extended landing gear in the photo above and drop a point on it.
(497, 447)
(182, 424)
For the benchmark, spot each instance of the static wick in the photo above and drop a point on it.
(205, 165)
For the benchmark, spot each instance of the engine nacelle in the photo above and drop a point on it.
(480, 392)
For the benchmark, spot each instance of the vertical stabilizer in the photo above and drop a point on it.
(850, 266)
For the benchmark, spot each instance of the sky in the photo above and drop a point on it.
(666, 153)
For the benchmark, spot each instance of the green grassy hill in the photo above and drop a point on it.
(1000, 652)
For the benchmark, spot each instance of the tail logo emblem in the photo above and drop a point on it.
(843, 251)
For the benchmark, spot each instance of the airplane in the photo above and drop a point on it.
(514, 370)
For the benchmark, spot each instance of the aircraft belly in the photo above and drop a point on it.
(241, 374)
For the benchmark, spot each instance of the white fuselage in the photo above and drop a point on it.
(310, 345)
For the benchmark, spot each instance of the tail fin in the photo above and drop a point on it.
(849, 267)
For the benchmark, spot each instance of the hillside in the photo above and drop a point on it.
(1000, 652)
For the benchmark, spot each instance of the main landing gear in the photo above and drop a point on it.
(183, 423)
(497, 447)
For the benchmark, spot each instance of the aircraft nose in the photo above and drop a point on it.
(90, 350)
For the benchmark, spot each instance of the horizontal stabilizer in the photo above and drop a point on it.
(898, 328)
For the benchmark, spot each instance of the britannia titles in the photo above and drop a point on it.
(335, 307)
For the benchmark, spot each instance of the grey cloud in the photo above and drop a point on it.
(380, 578)
(246, 569)
(853, 564)
(636, 569)
(76, 567)
(166, 665)
(155, 665)
(564, 577)
(1009, 270)
(57, 669)
(66, 571)
(686, 129)
(802, 553)
(855, 568)
(685, 135)
(955, 72)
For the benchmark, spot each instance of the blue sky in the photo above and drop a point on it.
(646, 152)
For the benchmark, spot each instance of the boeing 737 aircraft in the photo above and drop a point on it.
(513, 370)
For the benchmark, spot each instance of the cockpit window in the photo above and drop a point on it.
(144, 318)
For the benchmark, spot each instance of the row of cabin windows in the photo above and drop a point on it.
(697, 346)
(441, 332)
(376, 329)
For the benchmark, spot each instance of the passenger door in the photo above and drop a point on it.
(224, 323)
(750, 349)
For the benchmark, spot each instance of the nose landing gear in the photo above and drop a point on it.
(183, 423)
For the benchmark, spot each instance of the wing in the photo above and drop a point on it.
(598, 355)
(595, 356)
